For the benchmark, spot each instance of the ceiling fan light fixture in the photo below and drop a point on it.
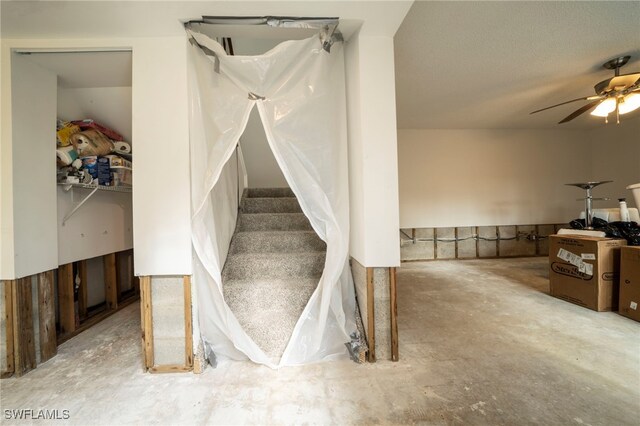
(629, 103)
(605, 108)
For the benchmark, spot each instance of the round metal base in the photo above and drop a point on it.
(588, 185)
(616, 63)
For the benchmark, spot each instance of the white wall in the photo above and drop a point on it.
(373, 166)
(615, 151)
(101, 226)
(29, 234)
(506, 177)
(262, 169)
(161, 195)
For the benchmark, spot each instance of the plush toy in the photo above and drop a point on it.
(91, 142)
(64, 132)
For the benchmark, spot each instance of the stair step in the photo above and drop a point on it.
(269, 309)
(273, 266)
(276, 242)
(274, 222)
(269, 192)
(271, 205)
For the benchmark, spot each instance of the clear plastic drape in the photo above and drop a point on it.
(299, 91)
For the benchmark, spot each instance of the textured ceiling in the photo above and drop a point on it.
(488, 64)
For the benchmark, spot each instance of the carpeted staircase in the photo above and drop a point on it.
(274, 264)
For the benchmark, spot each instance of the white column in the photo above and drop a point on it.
(373, 161)
(161, 188)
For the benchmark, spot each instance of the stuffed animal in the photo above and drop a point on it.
(91, 142)
(64, 132)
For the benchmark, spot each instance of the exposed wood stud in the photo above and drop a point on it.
(371, 320)
(66, 306)
(477, 241)
(82, 290)
(393, 302)
(110, 281)
(47, 316)
(188, 326)
(537, 231)
(23, 333)
(497, 241)
(142, 326)
(435, 243)
(135, 281)
(170, 368)
(455, 236)
(147, 323)
(413, 235)
(136, 285)
(121, 263)
(95, 319)
(8, 307)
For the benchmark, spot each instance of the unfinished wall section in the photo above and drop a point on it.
(470, 242)
(375, 293)
(166, 321)
(28, 333)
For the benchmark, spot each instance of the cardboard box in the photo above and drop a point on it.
(585, 270)
(630, 282)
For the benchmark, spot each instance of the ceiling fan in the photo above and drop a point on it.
(619, 94)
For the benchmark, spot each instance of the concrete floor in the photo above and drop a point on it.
(481, 342)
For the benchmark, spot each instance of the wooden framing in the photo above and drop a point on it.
(83, 318)
(456, 233)
(20, 302)
(93, 320)
(371, 319)
(111, 281)
(65, 299)
(147, 321)
(393, 302)
(24, 347)
(82, 290)
(8, 306)
(188, 326)
(435, 243)
(47, 316)
(170, 368)
(146, 316)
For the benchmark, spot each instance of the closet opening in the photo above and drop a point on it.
(72, 119)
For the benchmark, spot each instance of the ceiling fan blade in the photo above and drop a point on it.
(622, 82)
(580, 111)
(584, 98)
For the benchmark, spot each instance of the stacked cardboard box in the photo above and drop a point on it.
(630, 282)
(585, 270)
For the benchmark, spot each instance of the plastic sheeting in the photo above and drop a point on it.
(298, 89)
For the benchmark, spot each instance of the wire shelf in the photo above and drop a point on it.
(68, 186)
(94, 188)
